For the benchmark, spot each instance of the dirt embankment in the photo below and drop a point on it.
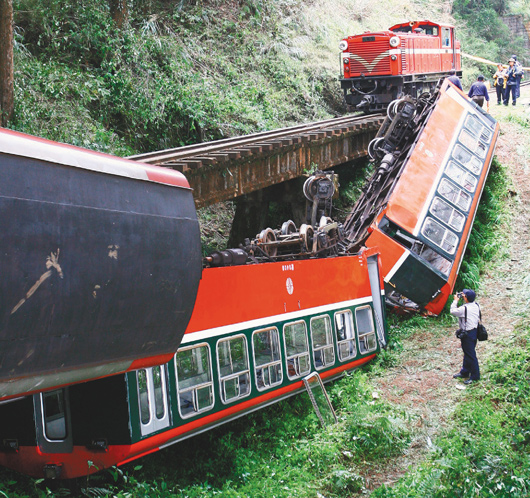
(422, 383)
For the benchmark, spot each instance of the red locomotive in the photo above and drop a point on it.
(408, 59)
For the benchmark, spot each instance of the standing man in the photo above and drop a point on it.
(511, 81)
(500, 82)
(478, 92)
(454, 79)
(468, 318)
(518, 76)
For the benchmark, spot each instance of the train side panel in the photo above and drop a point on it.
(219, 373)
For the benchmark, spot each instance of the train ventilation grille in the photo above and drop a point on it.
(403, 56)
(374, 57)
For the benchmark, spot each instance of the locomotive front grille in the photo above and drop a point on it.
(369, 57)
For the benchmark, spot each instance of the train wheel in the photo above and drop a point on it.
(288, 228)
(373, 148)
(267, 237)
(306, 235)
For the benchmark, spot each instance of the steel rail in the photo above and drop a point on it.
(188, 151)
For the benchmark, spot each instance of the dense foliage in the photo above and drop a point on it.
(174, 74)
(483, 33)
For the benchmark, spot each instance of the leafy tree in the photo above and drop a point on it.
(6, 60)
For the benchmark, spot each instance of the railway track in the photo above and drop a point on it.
(191, 157)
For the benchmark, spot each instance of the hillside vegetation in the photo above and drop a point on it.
(188, 71)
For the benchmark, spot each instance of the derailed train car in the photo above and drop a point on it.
(241, 352)
(100, 264)
(432, 161)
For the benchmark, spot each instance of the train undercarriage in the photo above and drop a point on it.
(374, 94)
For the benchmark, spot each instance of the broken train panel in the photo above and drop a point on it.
(100, 263)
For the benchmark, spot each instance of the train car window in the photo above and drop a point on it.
(267, 358)
(446, 37)
(473, 144)
(194, 380)
(365, 329)
(322, 339)
(345, 335)
(143, 395)
(159, 392)
(296, 349)
(460, 176)
(54, 414)
(476, 127)
(428, 254)
(446, 213)
(455, 195)
(234, 372)
(436, 233)
(152, 399)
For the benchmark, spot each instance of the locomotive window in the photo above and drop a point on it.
(472, 143)
(53, 409)
(477, 128)
(449, 215)
(455, 195)
(446, 37)
(194, 380)
(296, 349)
(345, 335)
(365, 329)
(267, 358)
(460, 176)
(323, 351)
(429, 30)
(234, 372)
(433, 231)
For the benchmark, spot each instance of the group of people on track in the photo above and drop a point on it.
(507, 81)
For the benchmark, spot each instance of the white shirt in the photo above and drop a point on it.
(473, 314)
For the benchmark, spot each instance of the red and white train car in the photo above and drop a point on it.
(407, 59)
(425, 221)
(256, 331)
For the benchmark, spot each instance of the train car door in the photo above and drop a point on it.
(152, 399)
(375, 286)
(453, 44)
(53, 421)
(447, 48)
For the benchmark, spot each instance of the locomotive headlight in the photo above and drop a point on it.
(346, 61)
(394, 41)
(394, 58)
(343, 45)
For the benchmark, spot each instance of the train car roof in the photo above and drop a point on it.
(415, 23)
(23, 145)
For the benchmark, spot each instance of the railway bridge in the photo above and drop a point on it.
(242, 167)
(225, 169)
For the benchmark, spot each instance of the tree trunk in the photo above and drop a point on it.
(6, 61)
(119, 12)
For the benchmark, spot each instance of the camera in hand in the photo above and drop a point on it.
(460, 295)
(461, 333)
